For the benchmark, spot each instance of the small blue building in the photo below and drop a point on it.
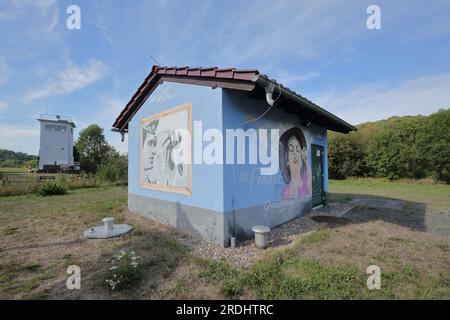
(215, 152)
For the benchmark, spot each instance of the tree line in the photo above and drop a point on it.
(13, 159)
(411, 147)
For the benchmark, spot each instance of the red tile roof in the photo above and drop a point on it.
(230, 78)
(214, 77)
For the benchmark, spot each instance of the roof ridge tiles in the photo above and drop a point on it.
(231, 78)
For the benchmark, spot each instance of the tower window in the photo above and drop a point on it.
(52, 127)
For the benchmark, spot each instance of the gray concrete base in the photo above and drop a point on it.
(198, 222)
(240, 222)
(218, 227)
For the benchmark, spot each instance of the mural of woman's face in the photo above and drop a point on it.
(304, 155)
(294, 153)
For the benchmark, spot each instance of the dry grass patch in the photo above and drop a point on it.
(410, 261)
(41, 237)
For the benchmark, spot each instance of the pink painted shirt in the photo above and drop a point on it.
(302, 192)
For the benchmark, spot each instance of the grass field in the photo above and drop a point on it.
(40, 238)
(17, 181)
(423, 191)
(13, 170)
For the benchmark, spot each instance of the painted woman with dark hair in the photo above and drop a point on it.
(294, 164)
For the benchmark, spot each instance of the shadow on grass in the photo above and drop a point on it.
(412, 216)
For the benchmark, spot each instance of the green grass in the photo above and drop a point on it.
(13, 170)
(326, 264)
(419, 191)
(50, 222)
(216, 270)
(301, 278)
(296, 272)
(284, 275)
(56, 216)
(21, 183)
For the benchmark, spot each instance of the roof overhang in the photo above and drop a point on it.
(244, 80)
(296, 104)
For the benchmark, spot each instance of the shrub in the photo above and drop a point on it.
(124, 271)
(4, 180)
(346, 158)
(62, 180)
(10, 163)
(50, 189)
(115, 170)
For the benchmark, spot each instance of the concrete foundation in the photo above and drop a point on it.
(213, 226)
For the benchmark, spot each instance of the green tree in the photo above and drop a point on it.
(11, 163)
(346, 158)
(433, 145)
(393, 153)
(31, 163)
(93, 149)
(11, 155)
(114, 170)
(76, 154)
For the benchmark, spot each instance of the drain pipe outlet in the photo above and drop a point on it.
(269, 88)
(109, 224)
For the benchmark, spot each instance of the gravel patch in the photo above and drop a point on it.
(246, 254)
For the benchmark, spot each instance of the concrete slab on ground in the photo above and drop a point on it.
(332, 209)
(99, 232)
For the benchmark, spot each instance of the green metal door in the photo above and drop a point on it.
(318, 196)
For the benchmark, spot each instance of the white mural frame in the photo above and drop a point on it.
(187, 189)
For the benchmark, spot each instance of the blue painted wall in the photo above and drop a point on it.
(207, 180)
(225, 187)
(244, 187)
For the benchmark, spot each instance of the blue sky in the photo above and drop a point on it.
(321, 49)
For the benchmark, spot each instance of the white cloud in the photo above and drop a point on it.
(69, 80)
(29, 27)
(3, 105)
(104, 116)
(15, 9)
(260, 33)
(381, 100)
(107, 114)
(263, 32)
(114, 139)
(10, 10)
(19, 138)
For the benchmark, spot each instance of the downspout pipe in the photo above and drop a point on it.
(122, 133)
(269, 87)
